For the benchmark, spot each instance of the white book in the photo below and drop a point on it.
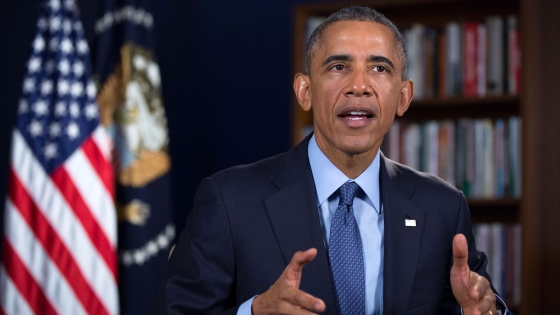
(483, 240)
(412, 142)
(431, 145)
(312, 23)
(489, 189)
(497, 258)
(496, 54)
(479, 151)
(453, 63)
(414, 48)
(481, 61)
(394, 141)
(447, 151)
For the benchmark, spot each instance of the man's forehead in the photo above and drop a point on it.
(340, 34)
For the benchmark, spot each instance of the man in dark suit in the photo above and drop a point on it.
(332, 226)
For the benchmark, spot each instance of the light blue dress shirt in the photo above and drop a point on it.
(367, 211)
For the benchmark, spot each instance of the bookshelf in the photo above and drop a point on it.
(538, 107)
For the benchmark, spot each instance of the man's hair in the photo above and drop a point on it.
(354, 13)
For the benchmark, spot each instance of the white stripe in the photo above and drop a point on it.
(46, 196)
(12, 301)
(36, 260)
(103, 141)
(93, 192)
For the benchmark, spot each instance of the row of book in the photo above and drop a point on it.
(482, 157)
(468, 59)
(502, 245)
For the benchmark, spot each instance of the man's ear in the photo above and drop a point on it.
(301, 88)
(407, 91)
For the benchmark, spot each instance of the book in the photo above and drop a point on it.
(453, 61)
(514, 56)
(470, 59)
(496, 53)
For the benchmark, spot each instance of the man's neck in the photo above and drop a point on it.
(352, 165)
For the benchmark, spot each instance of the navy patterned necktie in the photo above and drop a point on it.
(346, 255)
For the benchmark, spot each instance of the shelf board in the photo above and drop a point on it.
(456, 107)
(505, 210)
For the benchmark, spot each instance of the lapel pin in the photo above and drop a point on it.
(409, 222)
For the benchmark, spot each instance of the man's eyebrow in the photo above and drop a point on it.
(336, 58)
(376, 58)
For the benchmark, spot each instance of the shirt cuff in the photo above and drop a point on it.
(500, 306)
(245, 308)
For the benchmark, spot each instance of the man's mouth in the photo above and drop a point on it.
(356, 115)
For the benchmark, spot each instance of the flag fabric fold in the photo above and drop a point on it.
(60, 238)
(131, 106)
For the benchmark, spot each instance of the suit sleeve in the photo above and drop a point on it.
(477, 260)
(200, 276)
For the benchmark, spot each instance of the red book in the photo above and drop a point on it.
(470, 60)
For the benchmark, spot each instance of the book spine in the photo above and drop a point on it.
(481, 60)
(470, 54)
(496, 53)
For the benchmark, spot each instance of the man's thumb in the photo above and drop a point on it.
(460, 251)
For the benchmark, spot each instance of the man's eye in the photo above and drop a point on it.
(380, 69)
(338, 67)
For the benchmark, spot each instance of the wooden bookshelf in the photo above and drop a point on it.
(538, 107)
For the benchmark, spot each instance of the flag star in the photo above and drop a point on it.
(23, 106)
(77, 89)
(78, 68)
(91, 111)
(69, 4)
(35, 128)
(50, 150)
(49, 66)
(77, 26)
(148, 20)
(66, 46)
(74, 109)
(139, 16)
(67, 26)
(82, 46)
(54, 24)
(38, 44)
(46, 87)
(34, 64)
(29, 85)
(72, 130)
(40, 108)
(54, 4)
(63, 87)
(60, 109)
(151, 248)
(54, 130)
(42, 24)
(53, 43)
(64, 66)
(91, 90)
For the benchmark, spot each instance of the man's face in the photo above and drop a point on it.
(354, 88)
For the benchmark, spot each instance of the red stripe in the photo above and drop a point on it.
(66, 186)
(50, 240)
(25, 282)
(100, 164)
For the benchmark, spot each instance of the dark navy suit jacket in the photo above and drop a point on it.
(248, 221)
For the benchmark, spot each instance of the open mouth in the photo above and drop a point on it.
(356, 115)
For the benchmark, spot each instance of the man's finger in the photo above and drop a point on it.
(305, 301)
(460, 251)
(301, 258)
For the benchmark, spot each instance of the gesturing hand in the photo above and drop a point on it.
(284, 296)
(471, 290)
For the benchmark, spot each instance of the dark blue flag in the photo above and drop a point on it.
(131, 105)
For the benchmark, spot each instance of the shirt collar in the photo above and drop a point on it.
(328, 178)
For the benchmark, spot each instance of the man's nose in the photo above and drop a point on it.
(359, 84)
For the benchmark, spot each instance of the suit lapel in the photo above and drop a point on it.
(295, 220)
(402, 243)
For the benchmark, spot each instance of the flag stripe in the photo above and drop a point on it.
(100, 164)
(25, 282)
(12, 301)
(97, 200)
(48, 237)
(38, 263)
(66, 186)
(44, 193)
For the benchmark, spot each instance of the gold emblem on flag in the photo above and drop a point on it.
(131, 106)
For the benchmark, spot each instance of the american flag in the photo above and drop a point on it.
(59, 245)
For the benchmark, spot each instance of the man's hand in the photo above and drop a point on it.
(471, 290)
(284, 296)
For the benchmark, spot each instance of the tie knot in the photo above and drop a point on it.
(348, 192)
